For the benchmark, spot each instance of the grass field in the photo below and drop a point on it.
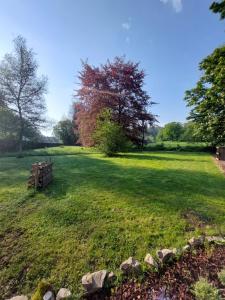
(99, 211)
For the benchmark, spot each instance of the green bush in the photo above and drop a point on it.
(203, 290)
(109, 136)
(221, 276)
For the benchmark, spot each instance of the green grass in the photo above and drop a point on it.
(99, 211)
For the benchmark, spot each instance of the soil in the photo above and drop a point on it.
(174, 281)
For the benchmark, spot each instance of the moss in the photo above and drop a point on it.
(221, 276)
(42, 288)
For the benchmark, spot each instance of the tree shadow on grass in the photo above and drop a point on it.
(160, 190)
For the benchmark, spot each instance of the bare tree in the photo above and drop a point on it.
(22, 91)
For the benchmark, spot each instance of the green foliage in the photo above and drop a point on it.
(109, 136)
(207, 99)
(65, 131)
(43, 287)
(219, 7)
(171, 132)
(221, 276)
(205, 291)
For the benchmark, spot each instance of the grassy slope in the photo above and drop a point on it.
(99, 211)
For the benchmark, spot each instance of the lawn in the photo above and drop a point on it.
(99, 211)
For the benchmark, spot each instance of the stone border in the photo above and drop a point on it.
(96, 281)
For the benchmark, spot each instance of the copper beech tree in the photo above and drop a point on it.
(117, 85)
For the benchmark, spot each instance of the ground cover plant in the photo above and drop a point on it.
(99, 211)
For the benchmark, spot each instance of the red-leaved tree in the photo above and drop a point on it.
(117, 85)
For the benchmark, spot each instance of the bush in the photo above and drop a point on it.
(109, 136)
(221, 276)
(205, 291)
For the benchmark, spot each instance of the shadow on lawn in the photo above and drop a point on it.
(149, 189)
(148, 156)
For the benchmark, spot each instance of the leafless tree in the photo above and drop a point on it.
(21, 89)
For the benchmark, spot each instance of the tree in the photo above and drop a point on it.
(219, 7)
(108, 135)
(171, 132)
(190, 133)
(116, 85)
(65, 131)
(207, 99)
(22, 91)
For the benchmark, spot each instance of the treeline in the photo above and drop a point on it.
(174, 131)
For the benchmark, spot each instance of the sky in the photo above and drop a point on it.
(168, 37)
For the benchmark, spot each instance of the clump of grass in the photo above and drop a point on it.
(221, 276)
(203, 290)
(42, 288)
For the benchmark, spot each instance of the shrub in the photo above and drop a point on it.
(203, 290)
(109, 136)
(221, 276)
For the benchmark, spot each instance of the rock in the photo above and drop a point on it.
(215, 239)
(49, 296)
(186, 248)
(129, 266)
(63, 294)
(150, 261)
(94, 281)
(196, 242)
(21, 297)
(165, 254)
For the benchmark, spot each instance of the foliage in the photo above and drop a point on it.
(57, 233)
(207, 99)
(109, 136)
(221, 276)
(152, 132)
(43, 287)
(204, 290)
(219, 7)
(179, 146)
(171, 132)
(21, 89)
(190, 133)
(65, 131)
(116, 85)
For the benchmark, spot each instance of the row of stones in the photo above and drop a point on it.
(93, 282)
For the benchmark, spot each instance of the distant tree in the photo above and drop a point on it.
(108, 135)
(64, 130)
(21, 89)
(171, 132)
(116, 85)
(152, 132)
(219, 7)
(190, 133)
(207, 99)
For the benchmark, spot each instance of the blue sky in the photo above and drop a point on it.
(168, 37)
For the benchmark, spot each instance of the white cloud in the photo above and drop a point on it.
(126, 25)
(177, 4)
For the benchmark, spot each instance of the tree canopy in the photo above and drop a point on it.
(207, 99)
(117, 85)
(219, 7)
(171, 132)
(21, 90)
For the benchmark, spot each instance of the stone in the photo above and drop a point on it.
(215, 239)
(196, 242)
(21, 297)
(186, 248)
(49, 296)
(94, 281)
(63, 294)
(129, 266)
(150, 261)
(165, 255)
